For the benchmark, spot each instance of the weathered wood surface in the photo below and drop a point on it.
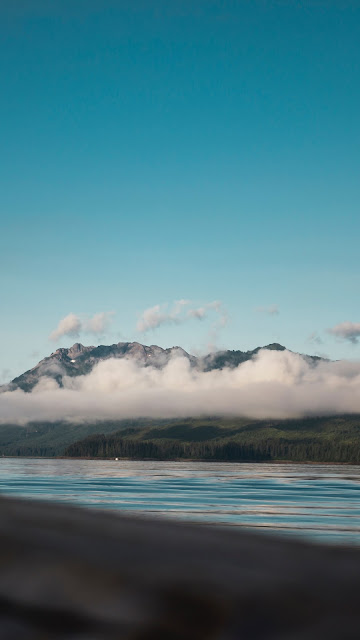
(78, 574)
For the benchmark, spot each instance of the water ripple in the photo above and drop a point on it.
(317, 501)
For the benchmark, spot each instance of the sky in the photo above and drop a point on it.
(179, 173)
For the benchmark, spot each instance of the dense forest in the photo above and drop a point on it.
(313, 439)
(308, 450)
(51, 438)
(322, 439)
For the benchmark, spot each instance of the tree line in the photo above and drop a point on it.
(115, 446)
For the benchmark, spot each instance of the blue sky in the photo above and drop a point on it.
(154, 151)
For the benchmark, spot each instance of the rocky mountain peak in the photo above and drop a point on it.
(77, 349)
(80, 360)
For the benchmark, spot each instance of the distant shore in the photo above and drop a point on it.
(187, 460)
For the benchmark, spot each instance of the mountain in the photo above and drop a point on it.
(207, 438)
(79, 360)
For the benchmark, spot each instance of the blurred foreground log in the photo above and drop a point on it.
(78, 574)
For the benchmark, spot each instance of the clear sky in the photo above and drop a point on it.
(157, 150)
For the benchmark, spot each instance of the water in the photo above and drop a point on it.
(320, 502)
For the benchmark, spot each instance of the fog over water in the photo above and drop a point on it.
(274, 384)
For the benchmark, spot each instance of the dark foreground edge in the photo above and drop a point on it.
(73, 573)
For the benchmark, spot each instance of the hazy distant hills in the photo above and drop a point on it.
(79, 360)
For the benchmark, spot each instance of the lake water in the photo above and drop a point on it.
(321, 502)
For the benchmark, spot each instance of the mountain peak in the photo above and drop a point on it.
(275, 346)
(77, 346)
(77, 350)
(80, 360)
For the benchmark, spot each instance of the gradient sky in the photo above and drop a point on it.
(154, 150)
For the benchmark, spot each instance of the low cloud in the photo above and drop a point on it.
(271, 310)
(272, 385)
(349, 331)
(177, 313)
(72, 325)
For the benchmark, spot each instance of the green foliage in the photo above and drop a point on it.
(51, 438)
(116, 446)
(329, 439)
(323, 439)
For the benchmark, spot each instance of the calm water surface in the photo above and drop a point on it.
(317, 501)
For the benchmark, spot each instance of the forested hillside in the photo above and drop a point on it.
(334, 439)
(324, 439)
(51, 438)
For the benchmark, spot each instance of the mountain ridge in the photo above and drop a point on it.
(80, 359)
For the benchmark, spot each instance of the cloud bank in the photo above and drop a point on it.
(272, 385)
(346, 331)
(72, 325)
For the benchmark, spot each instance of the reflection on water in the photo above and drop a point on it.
(317, 501)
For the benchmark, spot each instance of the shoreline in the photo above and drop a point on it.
(187, 460)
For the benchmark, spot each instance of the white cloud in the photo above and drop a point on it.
(272, 385)
(72, 325)
(99, 323)
(199, 313)
(346, 331)
(165, 314)
(180, 304)
(154, 317)
(271, 310)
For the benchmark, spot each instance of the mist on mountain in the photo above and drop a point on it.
(130, 380)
